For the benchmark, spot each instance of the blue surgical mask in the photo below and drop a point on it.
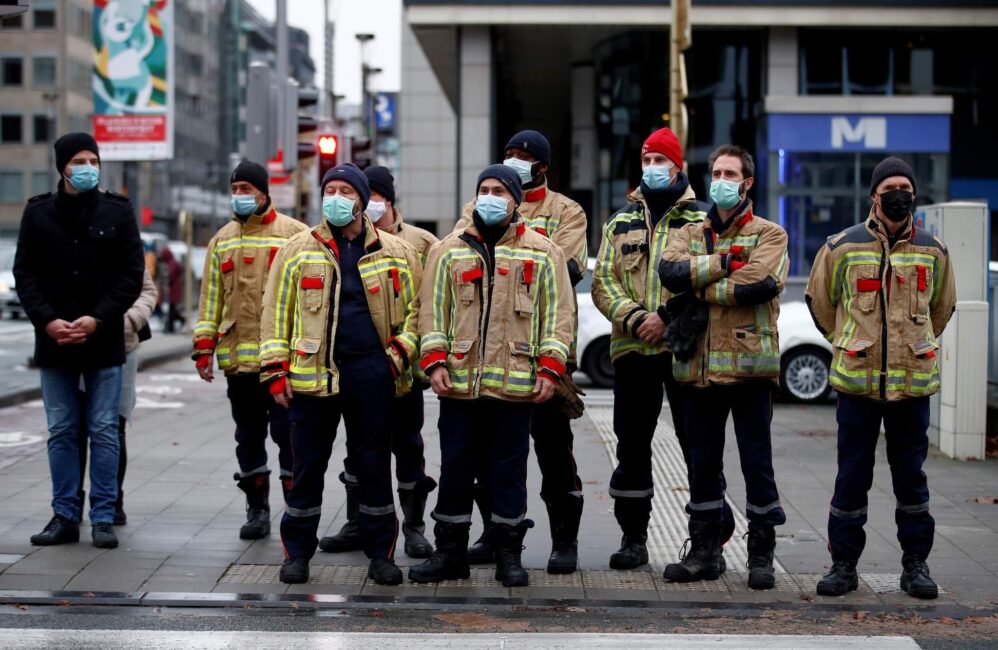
(726, 194)
(492, 209)
(657, 177)
(84, 177)
(338, 210)
(243, 204)
(523, 168)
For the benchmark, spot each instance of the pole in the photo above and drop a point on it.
(282, 40)
(187, 224)
(679, 40)
(330, 101)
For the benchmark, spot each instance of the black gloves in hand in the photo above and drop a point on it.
(688, 322)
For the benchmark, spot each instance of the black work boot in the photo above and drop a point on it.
(509, 549)
(59, 530)
(349, 538)
(103, 535)
(702, 559)
(841, 579)
(120, 518)
(384, 572)
(915, 580)
(257, 489)
(564, 518)
(761, 544)
(294, 571)
(482, 551)
(413, 504)
(632, 554)
(450, 560)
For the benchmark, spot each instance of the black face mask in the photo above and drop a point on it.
(896, 204)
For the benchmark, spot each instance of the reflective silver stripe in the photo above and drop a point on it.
(263, 469)
(379, 511)
(496, 519)
(451, 519)
(764, 509)
(706, 505)
(304, 512)
(848, 514)
(348, 477)
(407, 486)
(918, 507)
(575, 493)
(632, 494)
(286, 473)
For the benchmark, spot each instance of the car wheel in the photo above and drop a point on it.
(804, 376)
(597, 364)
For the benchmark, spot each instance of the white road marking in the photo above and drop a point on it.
(18, 438)
(31, 639)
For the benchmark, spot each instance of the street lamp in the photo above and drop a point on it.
(365, 71)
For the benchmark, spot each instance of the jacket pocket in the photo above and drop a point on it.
(921, 292)
(228, 268)
(468, 277)
(460, 362)
(852, 368)
(226, 349)
(306, 364)
(524, 288)
(313, 289)
(866, 289)
(633, 251)
(520, 376)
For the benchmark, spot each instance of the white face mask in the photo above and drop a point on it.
(375, 210)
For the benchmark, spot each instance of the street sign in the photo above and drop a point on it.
(384, 111)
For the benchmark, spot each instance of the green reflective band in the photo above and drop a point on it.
(205, 326)
(493, 377)
(683, 369)
(432, 340)
(274, 346)
(623, 344)
(721, 291)
(763, 362)
(720, 361)
(553, 344)
(703, 270)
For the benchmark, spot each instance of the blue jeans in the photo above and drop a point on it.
(60, 392)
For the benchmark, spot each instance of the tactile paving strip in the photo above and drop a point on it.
(885, 583)
(250, 574)
(632, 580)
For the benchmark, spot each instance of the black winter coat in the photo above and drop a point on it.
(79, 256)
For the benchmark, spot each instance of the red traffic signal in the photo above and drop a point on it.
(328, 145)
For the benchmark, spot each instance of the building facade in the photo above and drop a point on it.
(818, 90)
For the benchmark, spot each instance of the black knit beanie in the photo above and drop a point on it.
(506, 176)
(253, 173)
(381, 181)
(890, 166)
(71, 144)
(532, 142)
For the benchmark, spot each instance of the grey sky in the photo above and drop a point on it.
(380, 17)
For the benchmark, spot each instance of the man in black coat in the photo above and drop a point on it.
(78, 268)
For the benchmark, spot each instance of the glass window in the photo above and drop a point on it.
(11, 129)
(44, 17)
(39, 183)
(11, 187)
(43, 71)
(41, 129)
(14, 22)
(11, 71)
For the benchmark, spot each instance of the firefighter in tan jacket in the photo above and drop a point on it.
(237, 262)
(554, 215)
(496, 325)
(882, 292)
(730, 269)
(338, 338)
(407, 410)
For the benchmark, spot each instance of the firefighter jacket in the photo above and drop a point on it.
(236, 266)
(301, 306)
(883, 309)
(556, 216)
(626, 285)
(421, 240)
(496, 323)
(740, 274)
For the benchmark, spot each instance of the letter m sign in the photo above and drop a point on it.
(868, 133)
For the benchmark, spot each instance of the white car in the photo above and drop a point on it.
(804, 353)
(9, 302)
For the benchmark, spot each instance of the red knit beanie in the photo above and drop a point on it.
(665, 142)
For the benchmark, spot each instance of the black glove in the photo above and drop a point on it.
(685, 329)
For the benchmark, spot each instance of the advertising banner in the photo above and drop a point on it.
(133, 77)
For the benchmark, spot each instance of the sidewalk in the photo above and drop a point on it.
(181, 544)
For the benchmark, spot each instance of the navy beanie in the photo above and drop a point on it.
(350, 173)
(71, 144)
(506, 176)
(381, 181)
(533, 142)
(253, 173)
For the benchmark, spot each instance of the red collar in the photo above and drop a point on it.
(269, 217)
(536, 195)
(330, 243)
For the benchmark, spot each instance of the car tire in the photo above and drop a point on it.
(596, 363)
(804, 373)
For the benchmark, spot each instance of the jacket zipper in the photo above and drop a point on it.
(485, 315)
(885, 267)
(329, 330)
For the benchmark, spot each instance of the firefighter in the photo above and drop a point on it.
(237, 263)
(339, 333)
(627, 290)
(882, 292)
(407, 411)
(732, 266)
(556, 216)
(497, 322)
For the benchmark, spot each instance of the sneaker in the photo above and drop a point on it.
(59, 530)
(103, 535)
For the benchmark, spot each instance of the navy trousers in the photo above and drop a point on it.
(905, 423)
(367, 390)
(254, 410)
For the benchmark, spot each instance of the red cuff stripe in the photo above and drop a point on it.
(555, 366)
(546, 374)
(204, 344)
(277, 386)
(432, 358)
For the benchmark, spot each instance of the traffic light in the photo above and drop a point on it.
(329, 150)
